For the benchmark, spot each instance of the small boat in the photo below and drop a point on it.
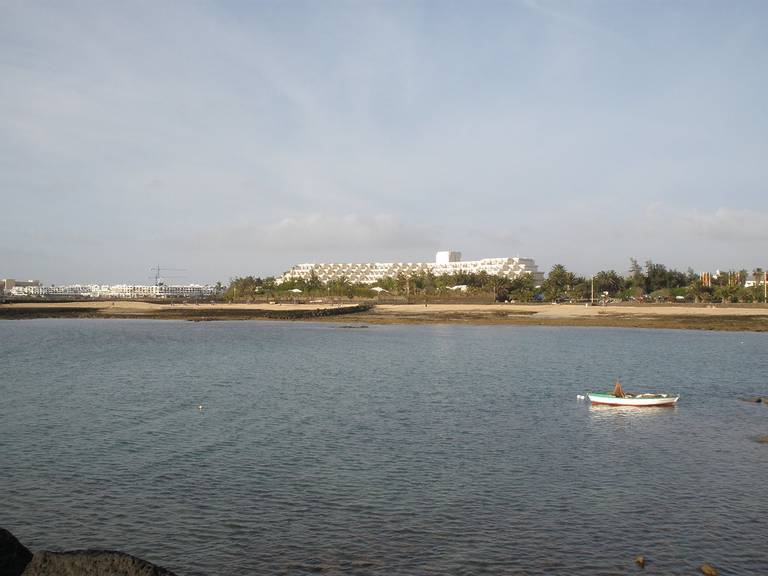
(610, 399)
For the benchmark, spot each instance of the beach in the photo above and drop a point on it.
(727, 317)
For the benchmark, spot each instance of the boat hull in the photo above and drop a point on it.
(642, 401)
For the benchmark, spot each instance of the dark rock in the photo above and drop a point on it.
(708, 570)
(91, 563)
(14, 556)
(755, 399)
(640, 560)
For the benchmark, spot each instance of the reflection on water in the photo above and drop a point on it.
(391, 450)
(608, 413)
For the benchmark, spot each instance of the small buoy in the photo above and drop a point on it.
(640, 560)
(200, 407)
(708, 570)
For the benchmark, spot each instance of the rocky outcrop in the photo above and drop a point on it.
(14, 556)
(91, 563)
(17, 560)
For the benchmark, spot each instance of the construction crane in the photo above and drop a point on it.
(160, 270)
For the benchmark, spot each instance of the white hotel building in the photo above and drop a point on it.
(447, 262)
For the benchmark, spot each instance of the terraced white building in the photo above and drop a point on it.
(447, 262)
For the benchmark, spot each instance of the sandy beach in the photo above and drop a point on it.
(701, 317)
(704, 317)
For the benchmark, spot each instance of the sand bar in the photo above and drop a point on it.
(685, 316)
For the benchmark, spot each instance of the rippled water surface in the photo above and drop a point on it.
(383, 450)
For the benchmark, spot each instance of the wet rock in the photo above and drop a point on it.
(91, 563)
(708, 570)
(640, 560)
(14, 556)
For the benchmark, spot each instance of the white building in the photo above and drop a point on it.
(8, 284)
(133, 291)
(446, 262)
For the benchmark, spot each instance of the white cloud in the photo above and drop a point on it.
(729, 225)
(318, 236)
(242, 138)
(351, 232)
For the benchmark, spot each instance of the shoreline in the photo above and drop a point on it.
(671, 316)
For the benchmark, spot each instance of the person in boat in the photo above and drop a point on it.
(617, 390)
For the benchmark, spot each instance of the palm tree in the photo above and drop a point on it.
(608, 281)
(696, 289)
(758, 274)
(558, 282)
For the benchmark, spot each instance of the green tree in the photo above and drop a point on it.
(388, 283)
(243, 289)
(500, 286)
(339, 286)
(313, 283)
(608, 281)
(698, 292)
(402, 283)
(758, 276)
(580, 289)
(656, 277)
(559, 281)
(522, 288)
(636, 278)
(727, 293)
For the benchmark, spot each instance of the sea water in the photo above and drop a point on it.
(324, 448)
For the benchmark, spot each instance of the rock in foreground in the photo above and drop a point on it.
(17, 560)
(91, 563)
(14, 556)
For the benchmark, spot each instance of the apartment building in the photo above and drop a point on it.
(446, 262)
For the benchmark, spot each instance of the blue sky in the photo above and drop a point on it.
(239, 138)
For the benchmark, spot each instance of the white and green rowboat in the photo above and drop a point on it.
(640, 400)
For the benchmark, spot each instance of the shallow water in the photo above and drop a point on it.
(383, 450)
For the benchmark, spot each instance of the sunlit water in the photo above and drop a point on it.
(383, 450)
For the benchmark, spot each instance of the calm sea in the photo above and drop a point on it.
(383, 450)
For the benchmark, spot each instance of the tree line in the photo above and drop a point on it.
(654, 282)
(648, 282)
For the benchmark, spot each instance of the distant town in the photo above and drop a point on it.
(506, 279)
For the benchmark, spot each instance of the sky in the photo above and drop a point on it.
(240, 138)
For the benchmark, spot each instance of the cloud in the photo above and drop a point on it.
(324, 232)
(723, 224)
(729, 225)
(243, 138)
(558, 12)
(319, 235)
